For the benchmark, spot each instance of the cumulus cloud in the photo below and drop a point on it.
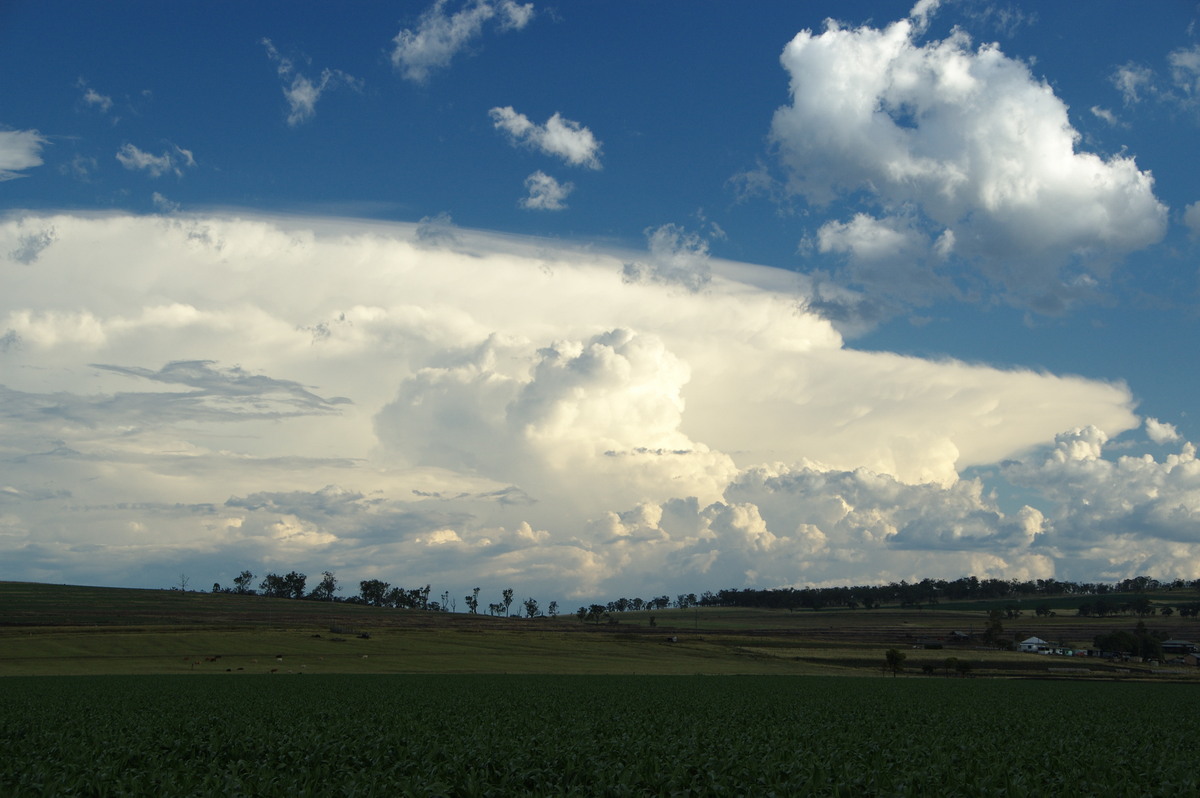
(173, 160)
(1185, 71)
(1160, 431)
(546, 193)
(964, 154)
(300, 91)
(560, 137)
(218, 392)
(1120, 515)
(440, 35)
(19, 150)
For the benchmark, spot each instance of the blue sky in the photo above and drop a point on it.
(599, 298)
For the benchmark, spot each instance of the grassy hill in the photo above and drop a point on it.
(69, 629)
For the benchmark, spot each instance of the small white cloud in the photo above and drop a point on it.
(1105, 115)
(1160, 431)
(1185, 70)
(97, 100)
(1134, 81)
(545, 193)
(163, 204)
(19, 150)
(135, 159)
(301, 92)
(441, 35)
(561, 137)
(1191, 217)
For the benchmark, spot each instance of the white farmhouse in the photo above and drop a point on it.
(1034, 645)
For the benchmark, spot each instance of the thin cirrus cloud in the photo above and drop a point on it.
(962, 157)
(441, 34)
(559, 137)
(217, 389)
(19, 150)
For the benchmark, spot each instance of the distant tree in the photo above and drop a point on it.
(327, 587)
(962, 667)
(581, 614)
(531, 608)
(216, 587)
(183, 581)
(1168, 611)
(496, 608)
(473, 602)
(994, 628)
(552, 609)
(508, 599)
(242, 582)
(373, 592)
(894, 660)
(293, 584)
(273, 585)
(950, 664)
(597, 613)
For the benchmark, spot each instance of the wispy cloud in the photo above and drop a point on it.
(19, 150)
(173, 160)
(301, 92)
(559, 137)
(440, 35)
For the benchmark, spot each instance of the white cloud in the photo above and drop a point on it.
(1191, 218)
(677, 257)
(218, 392)
(302, 93)
(1117, 516)
(1105, 115)
(1135, 82)
(1160, 431)
(546, 193)
(1185, 70)
(173, 160)
(441, 35)
(19, 150)
(100, 101)
(560, 137)
(944, 136)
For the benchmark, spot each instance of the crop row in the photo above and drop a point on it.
(616, 736)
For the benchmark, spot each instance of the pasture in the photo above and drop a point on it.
(76, 630)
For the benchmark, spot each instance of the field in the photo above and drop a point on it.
(74, 630)
(172, 693)
(491, 735)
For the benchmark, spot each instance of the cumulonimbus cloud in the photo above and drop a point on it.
(477, 409)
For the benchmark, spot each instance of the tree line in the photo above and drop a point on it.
(374, 593)
(927, 592)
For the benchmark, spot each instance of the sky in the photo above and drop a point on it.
(595, 299)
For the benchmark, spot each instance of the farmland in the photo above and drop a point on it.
(75, 630)
(476, 735)
(179, 693)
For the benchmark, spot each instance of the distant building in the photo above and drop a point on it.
(1034, 645)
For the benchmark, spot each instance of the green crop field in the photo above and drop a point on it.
(491, 735)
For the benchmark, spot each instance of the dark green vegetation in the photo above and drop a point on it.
(598, 735)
